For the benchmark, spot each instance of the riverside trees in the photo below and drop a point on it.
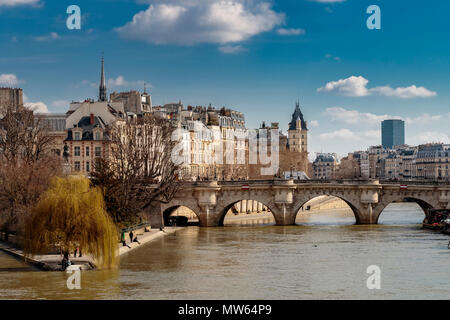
(139, 172)
(26, 165)
(71, 214)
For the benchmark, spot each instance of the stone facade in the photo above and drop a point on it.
(325, 166)
(133, 101)
(10, 98)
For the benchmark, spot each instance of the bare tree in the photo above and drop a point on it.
(139, 172)
(26, 165)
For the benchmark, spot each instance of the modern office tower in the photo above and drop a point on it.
(392, 133)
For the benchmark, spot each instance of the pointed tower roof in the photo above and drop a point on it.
(102, 88)
(297, 115)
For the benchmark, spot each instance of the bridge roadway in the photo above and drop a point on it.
(211, 200)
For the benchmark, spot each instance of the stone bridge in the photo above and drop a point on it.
(368, 198)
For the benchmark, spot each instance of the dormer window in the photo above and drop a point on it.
(77, 135)
(97, 135)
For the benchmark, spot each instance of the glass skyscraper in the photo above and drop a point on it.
(392, 133)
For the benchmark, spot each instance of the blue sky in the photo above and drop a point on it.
(256, 56)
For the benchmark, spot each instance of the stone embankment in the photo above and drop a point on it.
(52, 262)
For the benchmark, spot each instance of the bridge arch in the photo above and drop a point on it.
(224, 210)
(354, 204)
(185, 201)
(232, 197)
(424, 204)
(169, 210)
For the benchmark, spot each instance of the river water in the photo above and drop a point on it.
(326, 257)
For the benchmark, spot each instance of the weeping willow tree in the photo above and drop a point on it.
(72, 214)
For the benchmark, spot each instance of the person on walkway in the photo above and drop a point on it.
(136, 240)
(65, 261)
(122, 238)
(131, 235)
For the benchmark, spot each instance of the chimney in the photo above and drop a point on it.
(91, 122)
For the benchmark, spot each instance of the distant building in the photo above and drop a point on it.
(10, 98)
(392, 133)
(325, 166)
(55, 124)
(293, 147)
(298, 131)
(432, 162)
(86, 141)
(133, 101)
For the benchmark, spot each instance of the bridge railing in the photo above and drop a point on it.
(417, 182)
(358, 181)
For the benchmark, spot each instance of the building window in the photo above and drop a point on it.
(87, 151)
(77, 166)
(98, 151)
(88, 166)
(77, 152)
(77, 136)
(98, 135)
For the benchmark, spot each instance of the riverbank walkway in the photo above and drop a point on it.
(52, 262)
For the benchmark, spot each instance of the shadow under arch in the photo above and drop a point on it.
(168, 212)
(227, 208)
(424, 205)
(356, 212)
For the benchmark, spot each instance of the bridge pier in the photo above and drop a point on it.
(208, 218)
(284, 216)
(366, 215)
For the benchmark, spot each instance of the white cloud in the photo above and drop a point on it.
(313, 123)
(11, 3)
(36, 107)
(9, 80)
(432, 136)
(191, 22)
(352, 87)
(405, 93)
(48, 37)
(354, 117)
(357, 87)
(232, 49)
(341, 115)
(423, 119)
(348, 134)
(60, 103)
(290, 32)
(330, 56)
(345, 140)
(121, 82)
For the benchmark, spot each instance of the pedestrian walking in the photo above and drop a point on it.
(131, 236)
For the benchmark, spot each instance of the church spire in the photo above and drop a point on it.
(102, 89)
